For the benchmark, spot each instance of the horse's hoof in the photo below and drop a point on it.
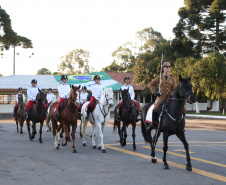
(166, 167)
(154, 160)
(84, 144)
(74, 151)
(189, 168)
(99, 148)
(134, 149)
(103, 151)
(57, 148)
(47, 131)
(40, 141)
(21, 132)
(69, 140)
(94, 147)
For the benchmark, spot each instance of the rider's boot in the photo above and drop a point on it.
(154, 120)
(88, 112)
(28, 117)
(118, 117)
(57, 115)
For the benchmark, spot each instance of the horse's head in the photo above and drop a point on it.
(20, 98)
(107, 97)
(126, 98)
(73, 93)
(186, 89)
(41, 96)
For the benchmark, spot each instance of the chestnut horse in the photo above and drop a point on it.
(38, 114)
(69, 117)
(21, 113)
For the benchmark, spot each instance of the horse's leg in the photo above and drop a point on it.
(134, 135)
(93, 138)
(57, 128)
(33, 129)
(119, 130)
(153, 141)
(74, 125)
(181, 136)
(69, 137)
(66, 134)
(40, 131)
(101, 142)
(165, 148)
(84, 126)
(21, 126)
(124, 135)
(28, 129)
(17, 129)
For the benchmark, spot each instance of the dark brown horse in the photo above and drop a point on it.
(69, 117)
(21, 113)
(38, 115)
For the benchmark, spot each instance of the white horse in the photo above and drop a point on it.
(98, 118)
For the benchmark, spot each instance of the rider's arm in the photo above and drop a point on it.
(132, 93)
(173, 85)
(154, 83)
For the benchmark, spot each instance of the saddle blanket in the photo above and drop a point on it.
(149, 114)
(92, 107)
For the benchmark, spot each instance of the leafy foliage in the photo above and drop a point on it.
(43, 71)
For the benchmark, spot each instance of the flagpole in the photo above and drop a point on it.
(160, 72)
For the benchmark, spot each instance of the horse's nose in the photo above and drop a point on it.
(111, 104)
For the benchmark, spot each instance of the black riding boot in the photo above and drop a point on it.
(28, 118)
(15, 111)
(88, 112)
(57, 115)
(154, 120)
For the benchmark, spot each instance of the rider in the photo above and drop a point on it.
(96, 90)
(32, 92)
(20, 91)
(83, 99)
(132, 96)
(167, 86)
(64, 93)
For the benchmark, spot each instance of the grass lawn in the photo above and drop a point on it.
(208, 113)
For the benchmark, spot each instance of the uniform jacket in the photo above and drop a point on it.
(32, 93)
(166, 87)
(64, 90)
(49, 97)
(96, 90)
(131, 91)
(83, 97)
(17, 98)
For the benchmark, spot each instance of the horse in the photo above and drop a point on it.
(49, 127)
(98, 118)
(21, 113)
(69, 117)
(172, 121)
(128, 116)
(38, 115)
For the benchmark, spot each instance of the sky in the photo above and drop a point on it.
(57, 27)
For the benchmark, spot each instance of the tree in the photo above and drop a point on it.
(43, 71)
(1, 75)
(200, 21)
(9, 37)
(75, 62)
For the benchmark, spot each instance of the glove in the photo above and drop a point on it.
(157, 94)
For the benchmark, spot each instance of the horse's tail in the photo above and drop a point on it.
(47, 120)
(115, 122)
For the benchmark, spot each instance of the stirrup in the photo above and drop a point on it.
(118, 118)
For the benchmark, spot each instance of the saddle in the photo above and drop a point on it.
(63, 105)
(93, 106)
(162, 108)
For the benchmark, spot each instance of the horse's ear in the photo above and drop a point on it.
(79, 87)
(70, 85)
(127, 89)
(39, 90)
(189, 79)
(180, 78)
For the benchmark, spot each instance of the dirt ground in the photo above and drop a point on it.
(197, 124)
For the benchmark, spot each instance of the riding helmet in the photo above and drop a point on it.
(33, 81)
(126, 78)
(96, 77)
(63, 77)
(49, 89)
(20, 88)
(84, 87)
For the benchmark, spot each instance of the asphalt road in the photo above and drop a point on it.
(28, 162)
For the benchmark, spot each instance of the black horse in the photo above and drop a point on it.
(38, 114)
(172, 121)
(128, 115)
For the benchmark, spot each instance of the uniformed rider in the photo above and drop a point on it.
(20, 91)
(64, 90)
(97, 90)
(167, 86)
(49, 96)
(132, 96)
(83, 98)
(32, 92)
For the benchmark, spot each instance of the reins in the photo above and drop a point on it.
(103, 111)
